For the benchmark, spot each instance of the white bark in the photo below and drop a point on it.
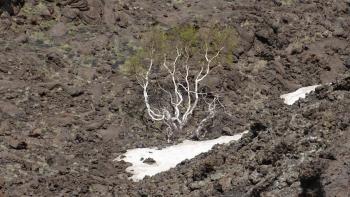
(175, 119)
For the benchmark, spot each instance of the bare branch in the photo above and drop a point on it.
(151, 112)
(211, 114)
(177, 118)
(166, 91)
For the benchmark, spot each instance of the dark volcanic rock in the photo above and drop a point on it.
(66, 110)
(149, 161)
(265, 36)
(74, 91)
(58, 30)
(347, 62)
(18, 145)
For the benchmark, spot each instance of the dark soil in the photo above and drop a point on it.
(66, 111)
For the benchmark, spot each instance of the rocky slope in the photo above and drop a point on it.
(66, 111)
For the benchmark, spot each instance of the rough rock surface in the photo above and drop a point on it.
(66, 111)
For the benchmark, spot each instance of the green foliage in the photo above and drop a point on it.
(186, 36)
(217, 38)
(288, 2)
(192, 41)
(134, 64)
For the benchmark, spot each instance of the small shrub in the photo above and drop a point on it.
(158, 43)
(170, 67)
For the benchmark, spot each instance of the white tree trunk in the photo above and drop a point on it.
(175, 119)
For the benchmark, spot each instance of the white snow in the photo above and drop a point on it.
(168, 157)
(292, 97)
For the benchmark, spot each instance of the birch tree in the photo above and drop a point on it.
(186, 62)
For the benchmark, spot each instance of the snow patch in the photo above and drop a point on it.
(168, 157)
(292, 97)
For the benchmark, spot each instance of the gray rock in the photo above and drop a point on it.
(197, 185)
(216, 176)
(149, 161)
(94, 125)
(347, 63)
(339, 32)
(58, 30)
(23, 38)
(74, 91)
(227, 130)
(10, 109)
(18, 144)
(35, 133)
(225, 183)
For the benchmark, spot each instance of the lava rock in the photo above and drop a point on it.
(256, 127)
(58, 30)
(339, 32)
(265, 36)
(74, 91)
(18, 145)
(23, 38)
(35, 133)
(10, 109)
(347, 63)
(197, 185)
(226, 130)
(149, 161)
(225, 183)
